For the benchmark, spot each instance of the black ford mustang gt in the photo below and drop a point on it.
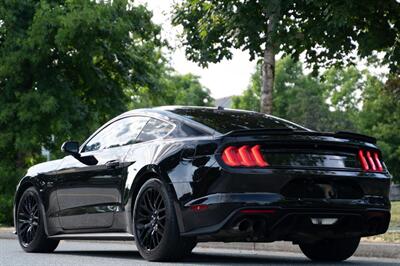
(173, 176)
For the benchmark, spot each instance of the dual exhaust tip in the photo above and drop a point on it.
(250, 226)
(256, 226)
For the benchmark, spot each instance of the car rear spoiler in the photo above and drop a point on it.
(339, 134)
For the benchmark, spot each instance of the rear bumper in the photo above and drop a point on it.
(268, 217)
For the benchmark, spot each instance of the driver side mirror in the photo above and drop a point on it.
(71, 147)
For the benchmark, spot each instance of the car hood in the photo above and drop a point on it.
(43, 168)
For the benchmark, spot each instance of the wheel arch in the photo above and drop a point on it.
(144, 174)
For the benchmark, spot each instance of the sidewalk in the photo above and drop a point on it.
(366, 249)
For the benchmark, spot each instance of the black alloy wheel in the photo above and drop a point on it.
(30, 225)
(28, 219)
(155, 225)
(150, 219)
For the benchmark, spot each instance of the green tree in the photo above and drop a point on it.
(250, 98)
(187, 90)
(327, 31)
(65, 68)
(176, 90)
(380, 117)
(298, 97)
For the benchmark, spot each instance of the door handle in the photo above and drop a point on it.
(112, 164)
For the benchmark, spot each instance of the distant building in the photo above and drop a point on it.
(225, 102)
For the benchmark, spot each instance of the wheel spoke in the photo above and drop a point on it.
(23, 221)
(146, 236)
(141, 219)
(158, 201)
(159, 235)
(146, 209)
(28, 219)
(25, 208)
(143, 226)
(153, 240)
(23, 228)
(29, 234)
(149, 204)
(34, 209)
(23, 215)
(29, 203)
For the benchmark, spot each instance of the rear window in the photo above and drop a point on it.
(225, 121)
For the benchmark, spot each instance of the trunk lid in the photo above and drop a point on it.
(303, 149)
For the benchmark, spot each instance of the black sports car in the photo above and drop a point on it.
(171, 177)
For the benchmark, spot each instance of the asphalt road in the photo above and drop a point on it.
(113, 254)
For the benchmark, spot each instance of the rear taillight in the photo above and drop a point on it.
(244, 156)
(370, 161)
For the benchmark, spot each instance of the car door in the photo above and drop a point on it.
(89, 190)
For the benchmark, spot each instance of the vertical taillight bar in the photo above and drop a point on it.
(370, 161)
(378, 162)
(255, 150)
(229, 156)
(363, 161)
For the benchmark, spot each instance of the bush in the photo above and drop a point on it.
(6, 213)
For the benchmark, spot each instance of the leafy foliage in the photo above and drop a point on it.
(69, 66)
(177, 90)
(298, 97)
(328, 31)
(380, 117)
(65, 64)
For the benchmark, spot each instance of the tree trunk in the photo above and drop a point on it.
(268, 67)
(268, 77)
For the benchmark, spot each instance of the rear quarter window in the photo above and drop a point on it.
(154, 129)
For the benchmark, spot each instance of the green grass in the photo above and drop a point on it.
(389, 237)
(395, 221)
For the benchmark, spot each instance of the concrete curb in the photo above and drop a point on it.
(7, 233)
(366, 249)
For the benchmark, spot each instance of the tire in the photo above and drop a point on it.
(330, 249)
(155, 225)
(30, 225)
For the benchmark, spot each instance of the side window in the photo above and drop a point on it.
(120, 133)
(154, 129)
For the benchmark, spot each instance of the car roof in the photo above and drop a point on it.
(168, 110)
(172, 114)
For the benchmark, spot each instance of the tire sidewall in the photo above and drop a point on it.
(332, 250)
